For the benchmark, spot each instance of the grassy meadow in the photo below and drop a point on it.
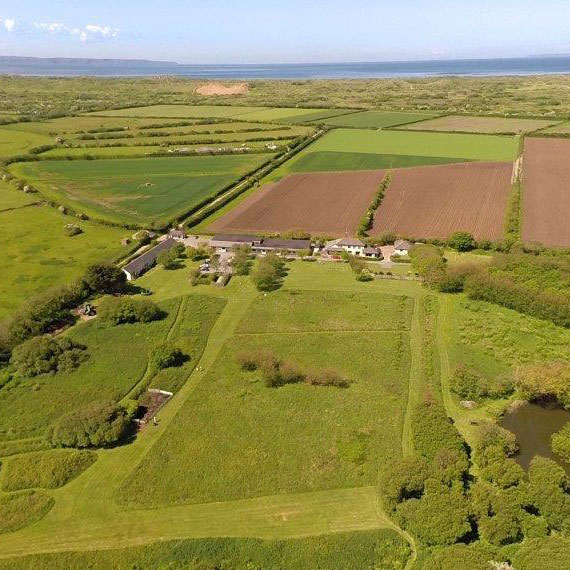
(136, 191)
(14, 141)
(375, 119)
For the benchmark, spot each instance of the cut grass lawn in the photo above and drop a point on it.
(30, 405)
(242, 430)
(383, 549)
(438, 146)
(137, 191)
(375, 119)
(329, 161)
(37, 253)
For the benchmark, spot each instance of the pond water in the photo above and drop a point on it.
(534, 424)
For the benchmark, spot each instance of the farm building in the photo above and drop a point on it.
(352, 246)
(288, 246)
(372, 252)
(223, 243)
(177, 234)
(138, 266)
(402, 247)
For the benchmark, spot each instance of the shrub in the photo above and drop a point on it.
(403, 479)
(268, 273)
(45, 355)
(168, 259)
(428, 262)
(327, 377)
(461, 241)
(291, 373)
(165, 355)
(247, 360)
(45, 470)
(470, 385)
(99, 424)
(241, 262)
(544, 381)
(105, 278)
(120, 310)
(561, 443)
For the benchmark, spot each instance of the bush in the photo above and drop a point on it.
(327, 377)
(461, 241)
(168, 259)
(120, 310)
(247, 360)
(544, 381)
(291, 373)
(268, 273)
(99, 424)
(45, 470)
(403, 479)
(241, 262)
(561, 443)
(165, 355)
(470, 385)
(105, 278)
(47, 355)
(428, 263)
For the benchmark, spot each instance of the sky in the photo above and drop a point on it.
(289, 31)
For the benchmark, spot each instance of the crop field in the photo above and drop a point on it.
(219, 111)
(435, 201)
(375, 119)
(412, 147)
(320, 203)
(137, 191)
(481, 124)
(38, 255)
(227, 408)
(546, 203)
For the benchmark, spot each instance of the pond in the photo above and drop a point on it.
(534, 424)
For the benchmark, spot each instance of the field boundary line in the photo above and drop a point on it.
(414, 376)
(323, 331)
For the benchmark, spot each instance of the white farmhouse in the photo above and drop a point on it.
(402, 247)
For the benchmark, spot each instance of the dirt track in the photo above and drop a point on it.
(320, 203)
(435, 201)
(546, 180)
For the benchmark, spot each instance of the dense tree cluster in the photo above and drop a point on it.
(470, 385)
(268, 272)
(428, 263)
(544, 381)
(121, 310)
(99, 424)
(241, 262)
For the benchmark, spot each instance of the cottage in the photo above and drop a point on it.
(222, 243)
(352, 246)
(177, 234)
(287, 246)
(372, 252)
(138, 266)
(402, 247)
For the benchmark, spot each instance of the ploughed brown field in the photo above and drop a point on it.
(546, 179)
(435, 201)
(456, 123)
(329, 203)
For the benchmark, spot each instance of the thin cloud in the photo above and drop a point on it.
(85, 34)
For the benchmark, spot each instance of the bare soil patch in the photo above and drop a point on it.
(210, 89)
(435, 201)
(546, 180)
(329, 203)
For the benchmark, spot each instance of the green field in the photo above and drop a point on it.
(324, 161)
(14, 142)
(375, 119)
(137, 191)
(37, 253)
(413, 147)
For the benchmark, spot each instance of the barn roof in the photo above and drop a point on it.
(286, 243)
(236, 238)
(145, 261)
(402, 244)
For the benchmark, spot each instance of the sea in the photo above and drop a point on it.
(141, 68)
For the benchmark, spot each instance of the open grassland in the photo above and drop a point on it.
(137, 191)
(437, 146)
(358, 551)
(546, 202)
(320, 203)
(118, 361)
(11, 199)
(559, 129)
(435, 201)
(37, 253)
(375, 119)
(14, 142)
(322, 450)
(481, 124)
(18, 510)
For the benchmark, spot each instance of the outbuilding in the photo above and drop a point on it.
(402, 247)
(144, 262)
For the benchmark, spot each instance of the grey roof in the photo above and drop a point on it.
(351, 242)
(285, 243)
(139, 265)
(177, 233)
(235, 238)
(402, 244)
(371, 250)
